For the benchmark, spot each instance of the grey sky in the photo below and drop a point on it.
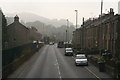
(60, 9)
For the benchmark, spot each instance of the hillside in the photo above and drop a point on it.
(30, 17)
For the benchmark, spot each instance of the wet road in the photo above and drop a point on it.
(50, 62)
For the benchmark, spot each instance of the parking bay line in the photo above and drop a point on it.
(73, 57)
(90, 71)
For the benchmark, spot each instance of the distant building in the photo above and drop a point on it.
(18, 33)
(34, 35)
(119, 7)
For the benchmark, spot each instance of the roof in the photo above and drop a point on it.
(13, 24)
(80, 55)
(68, 48)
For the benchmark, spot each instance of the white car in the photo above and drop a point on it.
(81, 59)
(51, 43)
(68, 51)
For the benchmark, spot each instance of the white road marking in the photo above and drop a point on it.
(73, 57)
(58, 69)
(90, 71)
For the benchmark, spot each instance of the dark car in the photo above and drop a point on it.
(60, 44)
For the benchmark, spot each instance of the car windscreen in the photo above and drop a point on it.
(80, 57)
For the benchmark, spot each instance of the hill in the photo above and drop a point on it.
(30, 17)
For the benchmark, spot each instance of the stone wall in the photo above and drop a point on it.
(19, 58)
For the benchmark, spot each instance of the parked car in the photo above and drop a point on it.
(81, 59)
(68, 51)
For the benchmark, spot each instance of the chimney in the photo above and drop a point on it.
(16, 19)
(83, 20)
(111, 11)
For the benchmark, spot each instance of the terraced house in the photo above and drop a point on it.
(100, 33)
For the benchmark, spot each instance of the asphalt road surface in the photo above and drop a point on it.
(50, 62)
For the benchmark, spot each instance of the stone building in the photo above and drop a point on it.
(76, 38)
(101, 33)
(18, 34)
(3, 30)
(0, 30)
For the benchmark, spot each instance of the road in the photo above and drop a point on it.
(50, 62)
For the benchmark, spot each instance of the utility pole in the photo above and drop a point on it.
(76, 26)
(101, 29)
(67, 33)
(67, 30)
(101, 6)
(76, 17)
(66, 39)
(43, 34)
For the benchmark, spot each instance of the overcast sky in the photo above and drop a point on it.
(59, 9)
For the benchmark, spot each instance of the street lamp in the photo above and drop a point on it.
(68, 30)
(101, 6)
(76, 26)
(101, 29)
(76, 17)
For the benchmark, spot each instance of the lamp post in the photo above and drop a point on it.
(76, 17)
(67, 33)
(66, 39)
(101, 29)
(101, 6)
(67, 30)
(76, 27)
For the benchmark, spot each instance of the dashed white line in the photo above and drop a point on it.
(58, 69)
(60, 77)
